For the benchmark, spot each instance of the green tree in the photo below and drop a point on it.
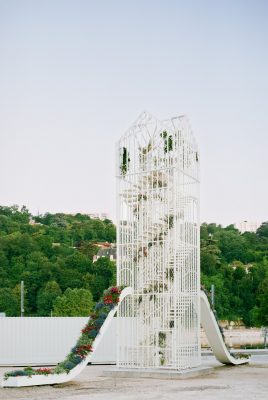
(260, 311)
(232, 245)
(73, 303)
(262, 231)
(46, 297)
(88, 248)
(104, 275)
(10, 301)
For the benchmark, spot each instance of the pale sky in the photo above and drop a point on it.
(75, 74)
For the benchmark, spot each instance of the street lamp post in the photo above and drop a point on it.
(22, 298)
(212, 291)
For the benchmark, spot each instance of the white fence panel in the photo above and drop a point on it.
(46, 341)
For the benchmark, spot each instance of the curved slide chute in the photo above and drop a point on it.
(214, 336)
(51, 379)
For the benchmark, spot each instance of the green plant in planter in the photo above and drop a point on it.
(158, 183)
(162, 344)
(240, 355)
(59, 369)
(125, 161)
(168, 141)
(145, 150)
(162, 339)
(162, 358)
(170, 273)
(154, 288)
(142, 197)
(29, 370)
(169, 219)
(156, 239)
(18, 372)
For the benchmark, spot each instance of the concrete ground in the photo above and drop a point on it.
(247, 382)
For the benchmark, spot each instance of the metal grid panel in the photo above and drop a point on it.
(158, 244)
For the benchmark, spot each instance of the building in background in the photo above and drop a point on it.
(105, 250)
(247, 226)
(101, 216)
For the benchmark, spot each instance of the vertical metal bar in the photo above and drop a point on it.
(22, 298)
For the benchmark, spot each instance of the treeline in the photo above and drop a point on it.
(53, 255)
(237, 264)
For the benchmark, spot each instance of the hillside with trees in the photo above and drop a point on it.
(53, 255)
(237, 264)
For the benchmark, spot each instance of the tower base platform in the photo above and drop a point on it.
(158, 373)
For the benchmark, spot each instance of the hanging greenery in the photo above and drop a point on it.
(125, 161)
(162, 339)
(168, 141)
(170, 273)
(162, 344)
(142, 197)
(145, 150)
(169, 220)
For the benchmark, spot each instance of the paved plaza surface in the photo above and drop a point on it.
(247, 382)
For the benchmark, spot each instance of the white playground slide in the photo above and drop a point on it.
(214, 336)
(51, 379)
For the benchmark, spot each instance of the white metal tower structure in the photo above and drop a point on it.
(158, 245)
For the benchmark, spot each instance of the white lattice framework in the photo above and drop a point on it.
(158, 245)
